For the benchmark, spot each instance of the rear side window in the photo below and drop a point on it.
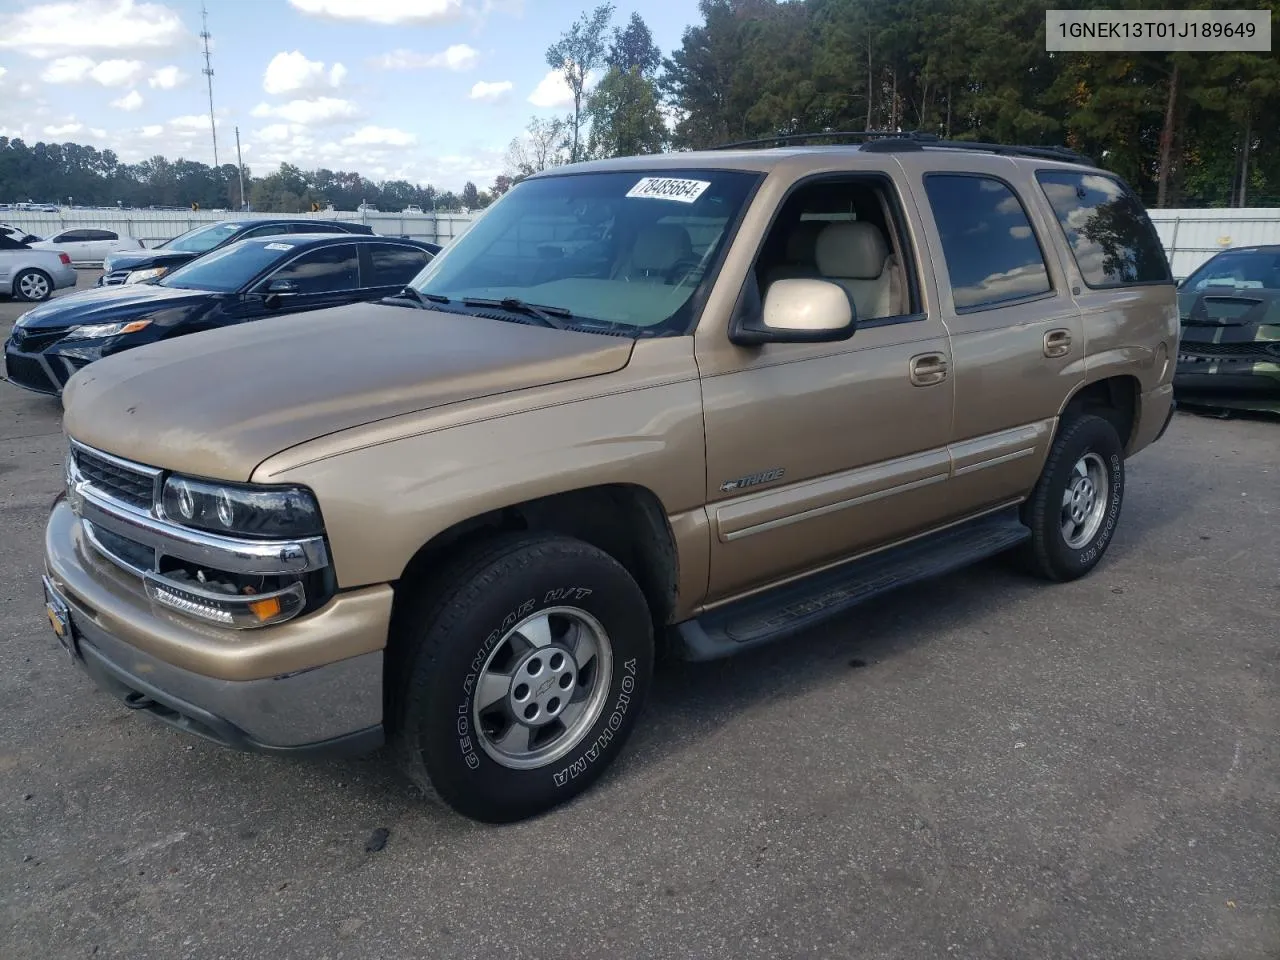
(1111, 236)
(395, 265)
(992, 253)
(101, 235)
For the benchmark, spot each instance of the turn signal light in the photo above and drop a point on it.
(266, 609)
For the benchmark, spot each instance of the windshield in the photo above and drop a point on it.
(1237, 270)
(228, 269)
(201, 238)
(627, 248)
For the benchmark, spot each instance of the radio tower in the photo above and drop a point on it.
(208, 72)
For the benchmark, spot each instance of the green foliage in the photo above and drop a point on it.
(625, 117)
(580, 50)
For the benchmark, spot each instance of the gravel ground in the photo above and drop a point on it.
(981, 767)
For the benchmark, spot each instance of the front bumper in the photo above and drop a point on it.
(40, 372)
(276, 690)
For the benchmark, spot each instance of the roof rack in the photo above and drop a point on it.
(893, 141)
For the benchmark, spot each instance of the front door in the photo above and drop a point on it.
(326, 277)
(816, 452)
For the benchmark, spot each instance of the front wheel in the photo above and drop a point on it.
(525, 667)
(1075, 506)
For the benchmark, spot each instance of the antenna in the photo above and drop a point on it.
(208, 72)
(240, 166)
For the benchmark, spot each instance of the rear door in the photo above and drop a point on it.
(387, 267)
(1016, 331)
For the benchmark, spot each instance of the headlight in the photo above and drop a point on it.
(249, 511)
(137, 276)
(93, 331)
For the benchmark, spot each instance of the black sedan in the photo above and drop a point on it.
(248, 280)
(135, 266)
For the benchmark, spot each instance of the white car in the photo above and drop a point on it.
(20, 234)
(88, 245)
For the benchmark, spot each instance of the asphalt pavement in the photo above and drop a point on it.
(983, 766)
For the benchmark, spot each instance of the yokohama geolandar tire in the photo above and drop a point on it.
(1075, 506)
(524, 668)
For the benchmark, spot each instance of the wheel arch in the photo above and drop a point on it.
(626, 521)
(1114, 399)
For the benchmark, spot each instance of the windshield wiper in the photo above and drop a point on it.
(422, 301)
(550, 316)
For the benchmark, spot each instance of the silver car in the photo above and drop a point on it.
(28, 274)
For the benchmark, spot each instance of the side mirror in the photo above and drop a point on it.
(799, 311)
(282, 286)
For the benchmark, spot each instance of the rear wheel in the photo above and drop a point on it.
(32, 285)
(1075, 506)
(524, 670)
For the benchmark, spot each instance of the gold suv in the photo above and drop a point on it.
(704, 397)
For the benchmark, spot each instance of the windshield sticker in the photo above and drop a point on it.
(279, 246)
(669, 188)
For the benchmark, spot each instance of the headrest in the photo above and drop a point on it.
(661, 247)
(855, 251)
(803, 240)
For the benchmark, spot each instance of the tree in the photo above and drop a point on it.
(624, 114)
(580, 50)
(633, 47)
(544, 144)
(470, 196)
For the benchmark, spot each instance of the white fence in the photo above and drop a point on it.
(153, 227)
(1190, 236)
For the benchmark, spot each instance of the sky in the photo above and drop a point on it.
(431, 91)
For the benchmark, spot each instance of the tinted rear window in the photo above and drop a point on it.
(1110, 234)
(992, 253)
(395, 265)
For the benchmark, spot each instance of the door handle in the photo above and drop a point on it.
(928, 368)
(1057, 343)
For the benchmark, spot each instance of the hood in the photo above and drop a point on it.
(137, 259)
(106, 305)
(1230, 316)
(216, 404)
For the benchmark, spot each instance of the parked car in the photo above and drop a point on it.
(1229, 356)
(88, 245)
(781, 382)
(135, 267)
(29, 274)
(247, 280)
(19, 234)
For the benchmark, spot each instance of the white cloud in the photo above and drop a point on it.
(294, 73)
(109, 73)
(491, 92)
(67, 70)
(460, 56)
(553, 90)
(3, 71)
(131, 101)
(192, 121)
(152, 130)
(44, 30)
(310, 112)
(379, 136)
(166, 78)
(98, 132)
(116, 73)
(419, 12)
(276, 132)
(63, 129)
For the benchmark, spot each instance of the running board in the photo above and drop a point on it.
(782, 611)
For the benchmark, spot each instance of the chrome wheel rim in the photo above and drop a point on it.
(1084, 502)
(34, 286)
(542, 688)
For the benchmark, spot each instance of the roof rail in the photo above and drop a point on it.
(785, 138)
(892, 141)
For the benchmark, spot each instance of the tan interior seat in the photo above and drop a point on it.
(656, 252)
(856, 256)
(800, 261)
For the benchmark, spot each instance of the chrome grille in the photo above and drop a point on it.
(115, 479)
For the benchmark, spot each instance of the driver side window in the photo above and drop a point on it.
(327, 270)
